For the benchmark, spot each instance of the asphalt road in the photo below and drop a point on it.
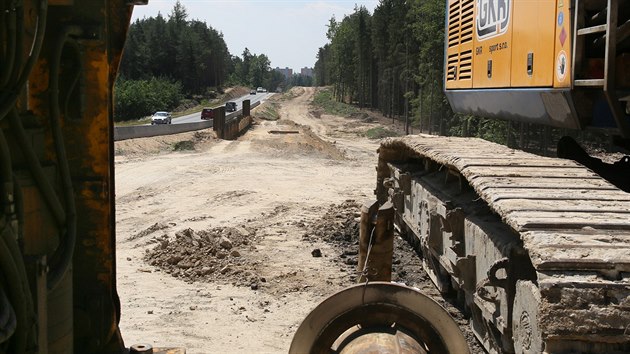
(196, 117)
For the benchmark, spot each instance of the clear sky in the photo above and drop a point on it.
(289, 32)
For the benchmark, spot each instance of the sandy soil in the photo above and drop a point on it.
(216, 239)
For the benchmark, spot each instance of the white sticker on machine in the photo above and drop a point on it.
(561, 66)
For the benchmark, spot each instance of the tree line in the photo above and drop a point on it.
(168, 60)
(393, 61)
(390, 60)
(178, 49)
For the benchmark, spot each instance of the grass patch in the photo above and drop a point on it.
(324, 100)
(129, 123)
(269, 111)
(185, 145)
(379, 133)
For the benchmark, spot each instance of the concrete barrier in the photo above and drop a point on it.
(145, 131)
(230, 128)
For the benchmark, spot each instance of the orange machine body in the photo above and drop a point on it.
(515, 60)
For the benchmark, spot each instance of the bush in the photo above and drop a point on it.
(134, 99)
(324, 99)
(269, 111)
(184, 145)
(379, 133)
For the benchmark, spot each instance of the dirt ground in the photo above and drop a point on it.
(225, 246)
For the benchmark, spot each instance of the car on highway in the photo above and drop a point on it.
(252, 92)
(260, 89)
(161, 118)
(207, 113)
(231, 106)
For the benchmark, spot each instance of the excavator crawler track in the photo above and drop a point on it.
(537, 248)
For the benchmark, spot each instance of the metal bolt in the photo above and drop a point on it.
(141, 349)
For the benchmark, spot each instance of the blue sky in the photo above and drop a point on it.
(289, 32)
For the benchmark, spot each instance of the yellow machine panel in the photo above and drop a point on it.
(521, 60)
(459, 48)
(493, 44)
(508, 43)
(563, 50)
(533, 28)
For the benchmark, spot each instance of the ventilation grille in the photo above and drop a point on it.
(467, 21)
(453, 24)
(460, 32)
(465, 65)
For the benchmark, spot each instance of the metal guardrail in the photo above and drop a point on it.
(145, 131)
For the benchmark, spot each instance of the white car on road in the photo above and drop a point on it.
(161, 118)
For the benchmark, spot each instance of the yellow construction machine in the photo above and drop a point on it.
(537, 249)
(58, 63)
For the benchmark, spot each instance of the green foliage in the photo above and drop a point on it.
(254, 70)
(269, 111)
(188, 51)
(184, 145)
(190, 58)
(391, 61)
(135, 99)
(275, 81)
(301, 80)
(492, 130)
(379, 133)
(324, 99)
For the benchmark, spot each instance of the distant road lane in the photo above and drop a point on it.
(196, 117)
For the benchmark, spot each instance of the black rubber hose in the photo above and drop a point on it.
(65, 252)
(8, 322)
(36, 169)
(11, 256)
(9, 56)
(6, 173)
(19, 44)
(7, 100)
(16, 294)
(73, 83)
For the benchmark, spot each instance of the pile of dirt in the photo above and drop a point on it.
(217, 254)
(304, 143)
(234, 92)
(294, 92)
(339, 226)
(165, 143)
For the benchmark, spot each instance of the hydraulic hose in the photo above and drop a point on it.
(36, 169)
(11, 258)
(65, 252)
(11, 261)
(9, 56)
(6, 174)
(73, 83)
(9, 97)
(17, 316)
(8, 322)
(17, 297)
(19, 44)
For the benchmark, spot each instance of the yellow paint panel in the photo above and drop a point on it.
(563, 52)
(492, 45)
(459, 44)
(533, 29)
